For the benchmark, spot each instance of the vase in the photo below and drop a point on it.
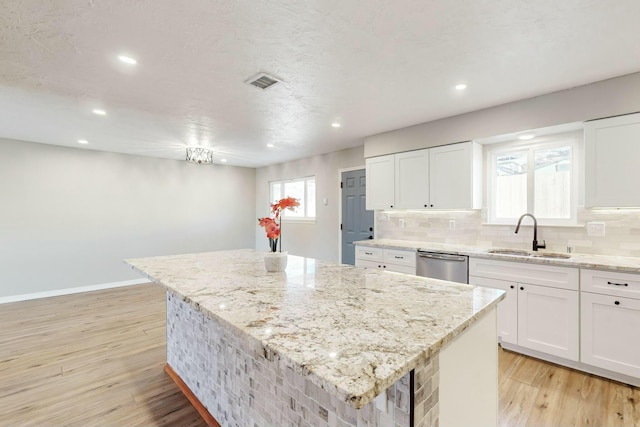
(275, 261)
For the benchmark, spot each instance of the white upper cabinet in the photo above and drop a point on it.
(455, 173)
(412, 180)
(448, 177)
(380, 181)
(612, 152)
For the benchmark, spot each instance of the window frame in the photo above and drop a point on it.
(305, 180)
(570, 139)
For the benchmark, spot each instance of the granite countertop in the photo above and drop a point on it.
(599, 262)
(353, 331)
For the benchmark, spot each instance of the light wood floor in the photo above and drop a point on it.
(536, 393)
(96, 359)
(93, 359)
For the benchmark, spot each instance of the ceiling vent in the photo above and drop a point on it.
(262, 81)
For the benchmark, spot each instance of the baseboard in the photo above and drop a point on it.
(69, 291)
(195, 402)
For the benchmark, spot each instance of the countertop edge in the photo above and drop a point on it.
(577, 260)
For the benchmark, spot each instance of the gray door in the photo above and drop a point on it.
(357, 222)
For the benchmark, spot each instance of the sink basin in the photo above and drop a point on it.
(519, 252)
(552, 255)
(523, 253)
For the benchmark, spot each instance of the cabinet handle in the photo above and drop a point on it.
(425, 206)
(368, 253)
(617, 303)
(390, 206)
(512, 286)
(522, 288)
(398, 257)
(617, 284)
(379, 266)
(431, 205)
(384, 266)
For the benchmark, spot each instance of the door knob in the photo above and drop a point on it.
(370, 228)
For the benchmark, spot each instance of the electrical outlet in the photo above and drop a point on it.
(596, 229)
(452, 224)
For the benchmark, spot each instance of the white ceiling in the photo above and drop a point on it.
(372, 65)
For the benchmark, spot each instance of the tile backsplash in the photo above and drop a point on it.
(622, 231)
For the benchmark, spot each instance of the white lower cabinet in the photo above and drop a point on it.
(395, 260)
(541, 309)
(507, 308)
(548, 320)
(610, 321)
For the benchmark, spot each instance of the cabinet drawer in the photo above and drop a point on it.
(520, 272)
(610, 283)
(372, 254)
(407, 258)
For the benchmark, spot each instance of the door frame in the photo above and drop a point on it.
(354, 168)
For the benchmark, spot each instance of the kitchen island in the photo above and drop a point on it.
(323, 344)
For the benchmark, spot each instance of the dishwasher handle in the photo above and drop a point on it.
(445, 257)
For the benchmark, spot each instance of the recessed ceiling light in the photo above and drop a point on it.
(270, 145)
(335, 125)
(526, 136)
(99, 112)
(461, 86)
(83, 141)
(223, 160)
(127, 59)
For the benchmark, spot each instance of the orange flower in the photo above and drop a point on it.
(271, 225)
(290, 203)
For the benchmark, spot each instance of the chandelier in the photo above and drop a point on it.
(199, 155)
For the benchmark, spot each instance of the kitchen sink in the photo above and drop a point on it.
(523, 253)
(519, 252)
(552, 255)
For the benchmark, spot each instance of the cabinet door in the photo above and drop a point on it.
(507, 308)
(612, 150)
(380, 182)
(611, 333)
(451, 173)
(412, 180)
(548, 320)
(396, 268)
(368, 263)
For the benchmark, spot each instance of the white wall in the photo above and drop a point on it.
(602, 99)
(68, 217)
(320, 238)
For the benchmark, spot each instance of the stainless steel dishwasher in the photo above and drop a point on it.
(454, 268)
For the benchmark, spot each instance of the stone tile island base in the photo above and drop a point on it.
(240, 385)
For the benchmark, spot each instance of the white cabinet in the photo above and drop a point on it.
(412, 180)
(548, 320)
(610, 321)
(507, 308)
(399, 261)
(612, 150)
(380, 182)
(541, 310)
(455, 176)
(447, 177)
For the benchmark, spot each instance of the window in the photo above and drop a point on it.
(538, 178)
(303, 189)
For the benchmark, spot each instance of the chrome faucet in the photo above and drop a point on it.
(536, 246)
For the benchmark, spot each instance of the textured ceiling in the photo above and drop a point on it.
(372, 65)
